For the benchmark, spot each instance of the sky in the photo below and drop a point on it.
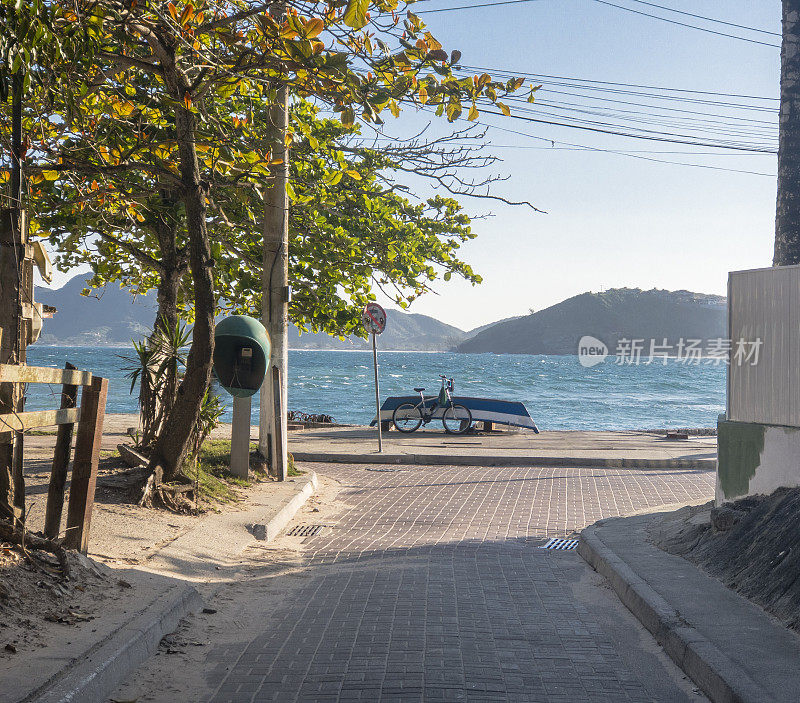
(614, 220)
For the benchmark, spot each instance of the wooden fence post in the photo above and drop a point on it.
(84, 467)
(58, 476)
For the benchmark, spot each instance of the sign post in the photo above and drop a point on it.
(374, 319)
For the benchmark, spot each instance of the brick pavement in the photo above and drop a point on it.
(431, 586)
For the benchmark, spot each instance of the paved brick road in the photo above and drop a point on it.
(431, 586)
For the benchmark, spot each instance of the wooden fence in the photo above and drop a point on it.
(89, 418)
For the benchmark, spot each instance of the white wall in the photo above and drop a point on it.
(765, 304)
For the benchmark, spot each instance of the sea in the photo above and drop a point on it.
(559, 393)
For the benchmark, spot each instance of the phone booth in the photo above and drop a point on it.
(242, 352)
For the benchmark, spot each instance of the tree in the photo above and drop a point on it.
(353, 226)
(787, 217)
(348, 208)
(164, 104)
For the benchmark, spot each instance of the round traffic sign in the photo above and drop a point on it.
(374, 318)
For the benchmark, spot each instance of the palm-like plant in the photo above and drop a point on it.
(157, 366)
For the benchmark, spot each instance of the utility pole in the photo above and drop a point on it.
(787, 211)
(14, 279)
(275, 284)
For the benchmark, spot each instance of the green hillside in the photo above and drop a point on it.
(615, 314)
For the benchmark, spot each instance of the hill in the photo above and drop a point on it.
(109, 318)
(404, 332)
(629, 313)
(112, 318)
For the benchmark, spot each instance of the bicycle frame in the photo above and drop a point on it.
(427, 415)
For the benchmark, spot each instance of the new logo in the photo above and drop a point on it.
(591, 351)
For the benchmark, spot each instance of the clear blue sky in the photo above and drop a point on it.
(613, 220)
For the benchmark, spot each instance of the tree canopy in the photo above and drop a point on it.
(148, 107)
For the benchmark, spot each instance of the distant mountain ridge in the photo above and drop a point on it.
(618, 313)
(404, 332)
(112, 318)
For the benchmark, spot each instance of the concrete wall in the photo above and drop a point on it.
(759, 442)
(756, 459)
(765, 304)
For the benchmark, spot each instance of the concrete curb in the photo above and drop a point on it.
(98, 672)
(722, 680)
(496, 460)
(288, 511)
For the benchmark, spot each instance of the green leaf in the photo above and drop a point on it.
(348, 117)
(355, 15)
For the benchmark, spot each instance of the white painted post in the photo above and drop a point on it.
(240, 437)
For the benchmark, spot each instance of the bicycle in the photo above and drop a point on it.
(457, 418)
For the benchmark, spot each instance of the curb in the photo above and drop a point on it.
(96, 673)
(99, 671)
(288, 511)
(473, 460)
(717, 676)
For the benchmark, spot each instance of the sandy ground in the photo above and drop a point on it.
(38, 609)
(173, 670)
(121, 532)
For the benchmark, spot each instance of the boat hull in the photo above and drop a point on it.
(502, 412)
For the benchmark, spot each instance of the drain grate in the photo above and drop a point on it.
(385, 470)
(305, 530)
(557, 543)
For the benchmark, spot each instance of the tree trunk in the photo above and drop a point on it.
(173, 266)
(787, 216)
(172, 446)
(156, 404)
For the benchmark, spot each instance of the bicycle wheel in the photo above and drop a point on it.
(407, 417)
(457, 419)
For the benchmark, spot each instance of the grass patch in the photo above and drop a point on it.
(292, 469)
(41, 433)
(215, 480)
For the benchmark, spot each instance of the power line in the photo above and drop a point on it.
(720, 126)
(617, 83)
(707, 19)
(660, 115)
(649, 135)
(633, 154)
(473, 7)
(638, 12)
(734, 118)
(648, 96)
(685, 24)
(715, 154)
(635, 130)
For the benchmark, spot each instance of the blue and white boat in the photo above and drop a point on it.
(503, 412)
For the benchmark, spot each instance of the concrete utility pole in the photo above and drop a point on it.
(15, 278)
(275, 286)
